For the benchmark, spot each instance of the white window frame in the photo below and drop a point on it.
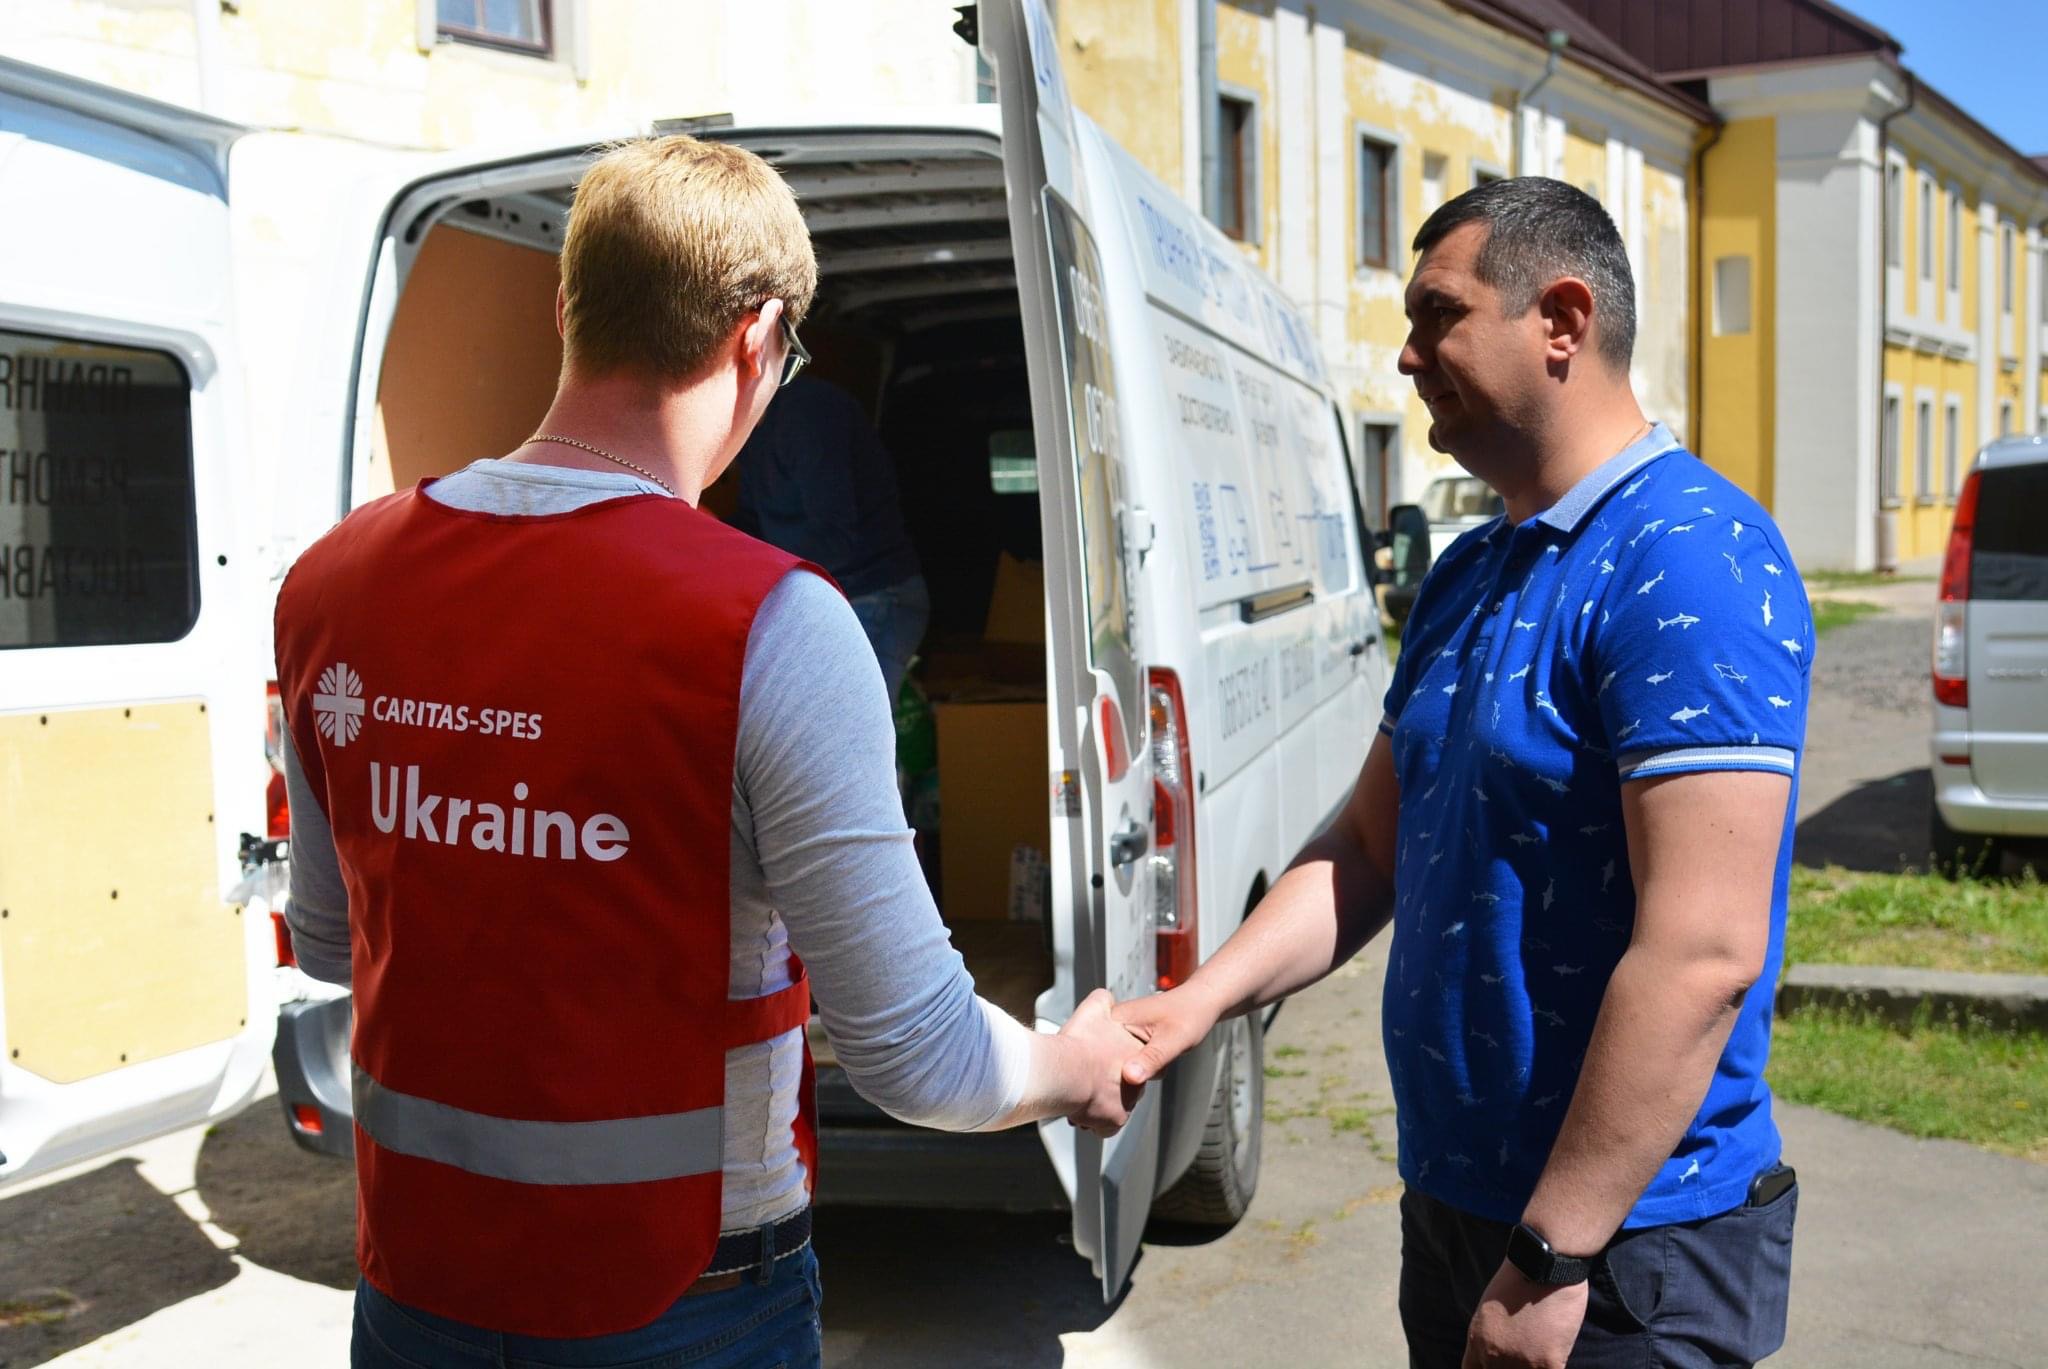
(2008, 271)
(1394, 422)
(1890, 436)
(1954, 224)
(1923, 445)
(1722, 323)
(1895, 247)
(1250, 184)
(1926, 221)
(1481, 166)
(1422, 209)
(1951, 447)
(1397, 200)
(569, 21)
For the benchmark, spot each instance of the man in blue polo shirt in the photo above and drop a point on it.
(1578, 819)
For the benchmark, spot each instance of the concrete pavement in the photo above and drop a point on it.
(232, 1250)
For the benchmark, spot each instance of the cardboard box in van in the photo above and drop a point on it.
(992, 799)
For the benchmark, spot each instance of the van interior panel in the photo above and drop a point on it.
(917, 316)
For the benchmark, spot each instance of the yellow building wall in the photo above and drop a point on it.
(1736, 411)
(1664, 336)
(1923, 520)
(1428, 118)
(1122, 63)
(356, 70)
(1585, 160)
(1972, 271)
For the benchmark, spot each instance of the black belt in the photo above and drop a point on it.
(756, 1251)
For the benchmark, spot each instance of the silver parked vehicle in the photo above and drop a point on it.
(1990, 745)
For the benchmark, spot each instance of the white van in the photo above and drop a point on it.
(136, 994)
(1155, 654)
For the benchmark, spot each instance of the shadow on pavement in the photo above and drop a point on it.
(1880, 827)
(292, 1211)
(908, 1289)
(108, 1249)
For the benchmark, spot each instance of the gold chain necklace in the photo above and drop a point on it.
(615, 460)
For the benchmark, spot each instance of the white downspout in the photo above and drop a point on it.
(207, 55)
(1556, 41)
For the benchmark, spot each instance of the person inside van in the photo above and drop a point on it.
(577, 773)
(816, 481)
(1597, 714)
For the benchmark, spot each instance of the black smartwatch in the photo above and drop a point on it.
(1531, 1254)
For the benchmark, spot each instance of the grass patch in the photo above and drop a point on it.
(1839, 917)
(1856, 579)
(1829, 614)
(1931, 1079)
(1287, 1052)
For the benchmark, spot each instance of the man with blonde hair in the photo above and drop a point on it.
(622, 764)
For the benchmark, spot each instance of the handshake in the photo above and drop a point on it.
(1103, 1057)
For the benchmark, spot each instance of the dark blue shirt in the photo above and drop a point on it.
(816, 481)
(1650, 623)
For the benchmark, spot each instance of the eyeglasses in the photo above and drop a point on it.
(796, 356)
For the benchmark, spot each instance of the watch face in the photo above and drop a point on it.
(1531, 1254)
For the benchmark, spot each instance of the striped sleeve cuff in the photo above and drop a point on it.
(1678, 760)
(1386, 725)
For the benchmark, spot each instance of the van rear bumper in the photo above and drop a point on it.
(867, 1158)
(1967, 808)
(311, 1056)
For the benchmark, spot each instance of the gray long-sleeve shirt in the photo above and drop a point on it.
(821, 863)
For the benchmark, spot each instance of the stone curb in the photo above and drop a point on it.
(2006, 1001)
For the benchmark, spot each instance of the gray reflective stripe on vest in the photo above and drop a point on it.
(624, 1150)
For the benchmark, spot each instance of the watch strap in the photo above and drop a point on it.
(1530, 1253)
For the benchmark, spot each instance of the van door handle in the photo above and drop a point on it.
(1129, 844)
(1358, 647)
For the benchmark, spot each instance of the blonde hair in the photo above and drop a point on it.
(670, 241)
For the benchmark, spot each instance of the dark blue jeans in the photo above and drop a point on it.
(754, 1326)
(1705, 1293)
(894, 620)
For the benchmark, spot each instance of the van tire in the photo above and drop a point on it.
(1218, 1186)
(1958, 854)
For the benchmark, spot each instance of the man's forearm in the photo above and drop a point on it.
(1328, 904)
(1655, 1046)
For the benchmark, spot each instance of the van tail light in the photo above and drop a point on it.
(1952, 616)
(276, 803)
(1173, 831)
(306, 1118)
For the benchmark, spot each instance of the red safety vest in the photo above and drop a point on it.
(523, 729)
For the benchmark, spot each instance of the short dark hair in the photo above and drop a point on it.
(1539, 229)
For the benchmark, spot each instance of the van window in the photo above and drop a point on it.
(98, 535)
(2009, 554)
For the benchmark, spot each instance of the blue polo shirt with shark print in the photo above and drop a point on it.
(1650, 623)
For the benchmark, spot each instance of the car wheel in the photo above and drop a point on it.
(1956, 854)
(1218, 1186)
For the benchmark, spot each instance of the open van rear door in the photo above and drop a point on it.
(135, 996)
(1103, 816)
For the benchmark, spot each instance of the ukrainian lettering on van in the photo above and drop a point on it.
(498, 828)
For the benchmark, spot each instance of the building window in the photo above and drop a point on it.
(1379, 474)
(1926, 230)
(984, 80)
(520, 25)
(1894, 216)
(1375, 203)
(1238, 155)
(2005, 273)
(2005, 418)
(1888, 454)
(1480, 176)
(1434, 174)
(1952, 448)
(1731, 296)
(1955, 241)
(1923, 450)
